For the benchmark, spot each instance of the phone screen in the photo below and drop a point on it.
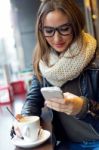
(52, 92)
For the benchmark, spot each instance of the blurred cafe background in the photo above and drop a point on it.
(17, 40)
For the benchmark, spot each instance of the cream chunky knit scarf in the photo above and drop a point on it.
(69, 65)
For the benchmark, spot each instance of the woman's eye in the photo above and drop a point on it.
(48, 30)
(65, 28)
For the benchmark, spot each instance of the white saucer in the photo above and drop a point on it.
(22, 143)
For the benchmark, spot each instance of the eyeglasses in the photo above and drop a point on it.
(65, 29)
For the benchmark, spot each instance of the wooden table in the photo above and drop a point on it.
(5, 127)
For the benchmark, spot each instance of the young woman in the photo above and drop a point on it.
(65, 56)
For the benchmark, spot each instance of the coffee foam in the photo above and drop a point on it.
(28, 119)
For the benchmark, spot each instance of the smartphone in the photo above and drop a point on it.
(52, 92)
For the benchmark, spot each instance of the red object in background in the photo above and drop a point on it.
(18, 87)
(6, 94)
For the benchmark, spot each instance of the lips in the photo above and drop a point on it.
(59, 45)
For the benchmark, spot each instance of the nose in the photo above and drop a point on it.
(57, 36)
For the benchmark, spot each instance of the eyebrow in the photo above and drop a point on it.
(65, 24)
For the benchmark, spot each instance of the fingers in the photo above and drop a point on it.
(12, 132)
(55, 105)
(71, 104)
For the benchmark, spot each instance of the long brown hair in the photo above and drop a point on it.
(42, 48)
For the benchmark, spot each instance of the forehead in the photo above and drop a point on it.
(55, 18)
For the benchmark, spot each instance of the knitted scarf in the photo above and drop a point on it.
(69, 64)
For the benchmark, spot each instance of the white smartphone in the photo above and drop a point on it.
(52, 92)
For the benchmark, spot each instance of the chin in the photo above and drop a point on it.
(60, 51)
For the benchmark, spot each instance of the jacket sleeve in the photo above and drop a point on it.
(90, 90)
(34, 100)
(94, 101)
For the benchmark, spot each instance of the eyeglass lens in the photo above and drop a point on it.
(64, 29)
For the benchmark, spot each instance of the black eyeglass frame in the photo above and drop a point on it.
(58, 29)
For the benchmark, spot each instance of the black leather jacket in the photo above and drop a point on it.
(89, 88)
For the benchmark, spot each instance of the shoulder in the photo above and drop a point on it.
(41, 83)
(35, 81)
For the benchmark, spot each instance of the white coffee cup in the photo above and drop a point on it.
(28, 127)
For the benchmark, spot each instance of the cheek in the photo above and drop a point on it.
(49, 41)
(68, 39)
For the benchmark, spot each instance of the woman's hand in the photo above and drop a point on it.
(71, 104)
